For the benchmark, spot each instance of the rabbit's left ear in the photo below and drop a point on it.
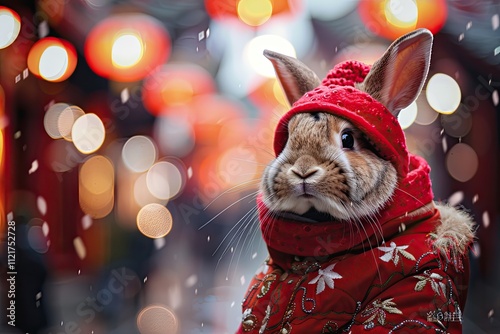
(397, 78)
(295, 77)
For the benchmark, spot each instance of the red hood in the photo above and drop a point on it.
(326, 238)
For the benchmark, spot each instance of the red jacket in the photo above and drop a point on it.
(405, 273)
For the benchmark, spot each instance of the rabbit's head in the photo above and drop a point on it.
(340, 151)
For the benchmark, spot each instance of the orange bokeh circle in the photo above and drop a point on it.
(431, 15)
(37, 50)
(150, 33)
(174, 85)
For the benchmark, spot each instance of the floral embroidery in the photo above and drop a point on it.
(265, 320)
(392, 253)
(378, 310)
(437, 287)
(249, 320)
(266, 285)
(325, 276)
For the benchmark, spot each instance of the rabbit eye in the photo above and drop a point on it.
(347, 140)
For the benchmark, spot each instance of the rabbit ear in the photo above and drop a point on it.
(397, 78)
(295, 77)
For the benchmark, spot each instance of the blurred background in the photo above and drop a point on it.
(133, 135)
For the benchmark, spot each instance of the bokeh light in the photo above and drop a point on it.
(408, 115)
(164, 180)
(154, 221)
(10, 25)
(253, 52)
(53, 63)
(139, 153)
(333, 11)
(127, 50)
(157, 319)
(393, 18)
(443, 93)
(255, 12)
(96, 186)
(227, 9)
(67, 119)
(174, 85)
(126, 47)
(88, 133)
(97, 175)
(462, 162)
(52, 59)
(401, 13)
(174, 135)
(425, 115)
(51, 119)
(142, 195)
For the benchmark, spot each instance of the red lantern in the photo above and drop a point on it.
(126, 47)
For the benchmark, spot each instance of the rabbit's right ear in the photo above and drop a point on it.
(295, 77)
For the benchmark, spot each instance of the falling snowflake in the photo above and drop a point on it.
(456, 198)
(496, 50)
(325, 277)
(378, 310)
(434, 280)
(191, 281)
(486, 219)
(495, 22)
(494, 97)
(124, 95)
(475, 198)
(42, 205)
(34, 167)
(43, 29)
(86, 222)
(392, 253)
(201, 35)
(45, 229)
(444, 143)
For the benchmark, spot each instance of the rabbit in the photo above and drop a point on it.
(356, 242)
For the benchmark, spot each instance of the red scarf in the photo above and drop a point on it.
(287, 237)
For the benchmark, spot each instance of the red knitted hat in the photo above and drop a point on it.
(337, 95)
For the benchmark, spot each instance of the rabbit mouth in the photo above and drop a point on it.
(311, 216)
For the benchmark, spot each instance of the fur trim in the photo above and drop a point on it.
(454, 236)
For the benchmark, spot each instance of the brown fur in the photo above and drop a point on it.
(346, 183)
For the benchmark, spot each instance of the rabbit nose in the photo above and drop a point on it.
(304, 167)
(304, 174)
